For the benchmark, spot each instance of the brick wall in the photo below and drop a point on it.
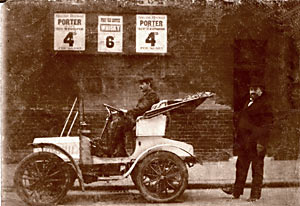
(285, 136)
(209, 131)
(41, 85)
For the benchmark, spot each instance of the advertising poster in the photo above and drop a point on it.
(69, 31)
(151, 33)
(110, 34)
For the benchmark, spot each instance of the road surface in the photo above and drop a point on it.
(204, 197)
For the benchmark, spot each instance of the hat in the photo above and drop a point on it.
(146, 80)
(257, 81)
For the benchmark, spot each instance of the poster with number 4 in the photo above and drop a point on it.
(151, 33)
(69, 31)
(110, 33)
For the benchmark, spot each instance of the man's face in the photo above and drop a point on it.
(255, 92)
(144, 86)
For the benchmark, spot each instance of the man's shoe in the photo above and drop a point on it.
(236, 196)
(120, 153)
(252, 199)
(230, 191)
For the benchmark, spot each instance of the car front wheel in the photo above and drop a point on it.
(42, 179)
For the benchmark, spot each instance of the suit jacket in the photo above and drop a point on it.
(254, 124)
(144, 104)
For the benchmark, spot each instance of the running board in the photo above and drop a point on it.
(111, 160)
(115, 178)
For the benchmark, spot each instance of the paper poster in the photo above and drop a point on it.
(151, 33)
(110, 34)
(69, 31)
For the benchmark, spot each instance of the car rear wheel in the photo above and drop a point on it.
(162, 177)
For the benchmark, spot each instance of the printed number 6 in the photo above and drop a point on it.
(109, 42)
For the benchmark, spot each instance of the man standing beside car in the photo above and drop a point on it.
(253, 128)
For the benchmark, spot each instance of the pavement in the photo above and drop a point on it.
(277, 173)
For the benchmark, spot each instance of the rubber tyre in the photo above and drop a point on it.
(162, 177)
(42, 179)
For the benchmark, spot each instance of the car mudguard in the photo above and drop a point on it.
(61, 150)
(188, 158)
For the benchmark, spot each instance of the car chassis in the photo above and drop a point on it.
(157, 165)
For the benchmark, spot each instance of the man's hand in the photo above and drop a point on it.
(260, 148)
(124, 110)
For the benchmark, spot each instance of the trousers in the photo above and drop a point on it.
(116, 138)
(245, 158)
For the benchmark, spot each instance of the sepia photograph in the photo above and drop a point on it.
(150, 102)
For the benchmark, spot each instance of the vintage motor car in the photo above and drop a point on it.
(157, 165)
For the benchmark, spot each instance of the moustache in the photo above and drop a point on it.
(253, 95)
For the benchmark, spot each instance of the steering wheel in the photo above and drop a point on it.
(112, 108)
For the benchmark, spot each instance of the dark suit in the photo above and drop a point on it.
(253, 127)
(123, 124)
(144, 104)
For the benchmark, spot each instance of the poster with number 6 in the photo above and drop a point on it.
(69, 31)
(151, 33)
(110, 33)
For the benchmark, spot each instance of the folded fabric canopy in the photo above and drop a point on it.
(187, 104)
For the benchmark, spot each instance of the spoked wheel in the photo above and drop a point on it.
(42, 179)
(162, 177)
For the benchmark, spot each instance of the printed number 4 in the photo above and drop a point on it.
(151, 38)
(69, 39)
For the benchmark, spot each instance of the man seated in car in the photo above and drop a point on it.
(126, 122)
